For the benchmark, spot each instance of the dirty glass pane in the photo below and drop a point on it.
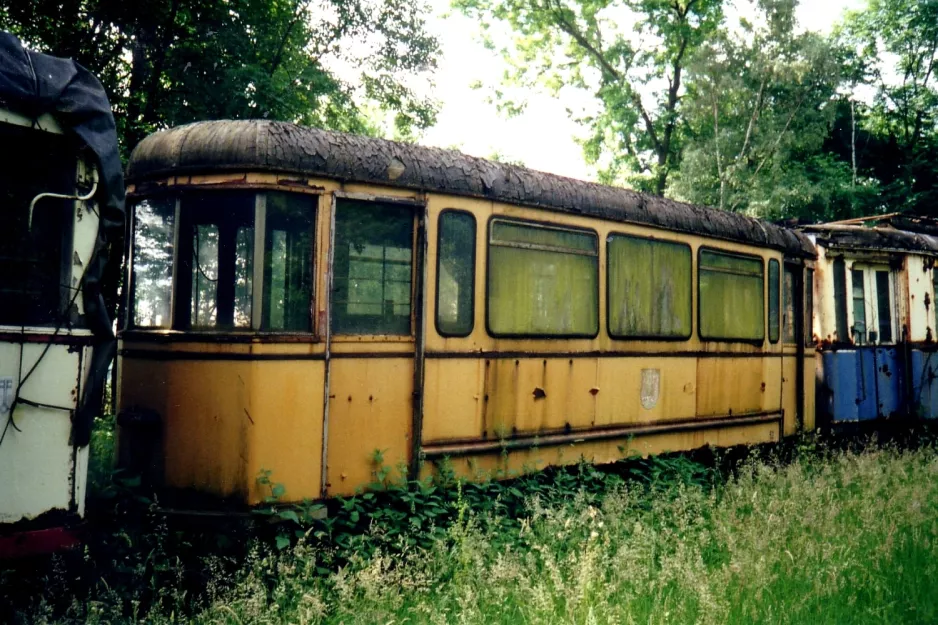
(934, 301)
(288, 258)
(204, 311)
(883, 307)
(840, 298)
(35, 262)
(773, 300)
(859, 307)
(788, 316)
(732, 305)
(542, 281)
(809, 307)
(455, 273)
(216, 258)
(372, 268)
(649, 288)
(153, 262)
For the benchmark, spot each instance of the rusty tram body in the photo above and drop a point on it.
(312, 306)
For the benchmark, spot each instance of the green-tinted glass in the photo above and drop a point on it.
(455, 273)
(509, 233)
(732, 303)
(533, 291)
(773, 301)
(649, 288)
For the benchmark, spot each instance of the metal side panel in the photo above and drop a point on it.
(866, 397)
(37, 460)
(889, 371)
(841, 383)
(924, 401)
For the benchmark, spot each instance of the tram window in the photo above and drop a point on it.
(859, 307)
(542, 281)
(788, 317)
(216, 259)
(773, 301)
(809, 307)
(153, 262)
(372, 268)
(649, 288)
(731, 297)
(34, 261)
(288, 262)
(873, 297)
(455, 281)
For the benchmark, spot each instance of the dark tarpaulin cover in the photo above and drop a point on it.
(32, 84)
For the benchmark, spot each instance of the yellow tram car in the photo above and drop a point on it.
(312, 306)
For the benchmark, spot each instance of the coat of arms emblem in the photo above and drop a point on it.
(651, 385)
(6, 394)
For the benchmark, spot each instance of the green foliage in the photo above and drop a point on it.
(169, 62)
(615, 51)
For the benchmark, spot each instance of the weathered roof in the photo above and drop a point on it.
(258, 145)
(863, 238)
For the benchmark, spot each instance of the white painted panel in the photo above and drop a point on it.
(36, 459)
(919, 286)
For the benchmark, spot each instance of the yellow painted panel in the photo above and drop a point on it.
(619, 395)
(528, 395)
(790, 394)
(453, 399)
(810, 375)
(600, 452)
(370, 410)
(729, 386)
(224, 421)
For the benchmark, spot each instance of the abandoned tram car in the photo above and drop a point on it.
(61, 206)
(311, 305)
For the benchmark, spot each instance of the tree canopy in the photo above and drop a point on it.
(169, 62)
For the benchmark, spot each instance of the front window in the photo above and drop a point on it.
(222, 281)
(873, 290)
(35, 262)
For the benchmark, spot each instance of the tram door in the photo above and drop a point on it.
(793, 339)
(375, 329)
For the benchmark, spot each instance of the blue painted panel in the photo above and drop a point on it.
(867, 410)
(890, 375)
(924, 384)
(840, 382)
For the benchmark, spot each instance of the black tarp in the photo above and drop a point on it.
(33, 84)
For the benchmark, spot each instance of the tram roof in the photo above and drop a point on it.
(878, 239)
(261, 145)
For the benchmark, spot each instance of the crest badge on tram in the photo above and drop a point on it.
(6, 394)
(651, 385)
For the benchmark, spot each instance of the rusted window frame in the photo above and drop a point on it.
(778, 301)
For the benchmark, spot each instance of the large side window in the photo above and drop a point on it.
(773, 301)
(788, 317)
(455, 273)
(288, 262)
(372, 268)
(216, 261)
(731, 297)
(153, 262)
(542, 281)
(649, 288)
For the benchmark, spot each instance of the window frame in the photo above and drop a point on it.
(869, 269)
(436, 285)
(778, 301)
(700, 335)
(690, 295)
(488, 270)
(255, 329)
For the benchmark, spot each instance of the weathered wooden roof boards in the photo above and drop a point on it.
(887, 233)
(260, 145)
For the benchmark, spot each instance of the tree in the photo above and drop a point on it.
(760, 103)
(896, 42)
(168, 62)
(582, 44)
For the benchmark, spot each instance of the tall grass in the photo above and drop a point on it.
(849, 537)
